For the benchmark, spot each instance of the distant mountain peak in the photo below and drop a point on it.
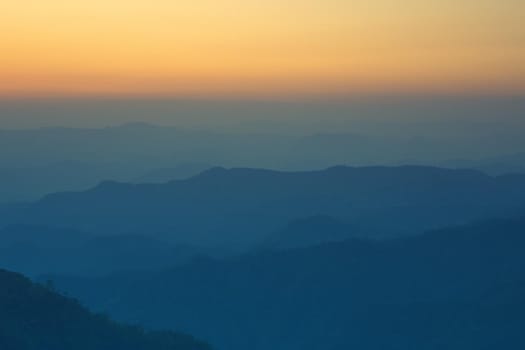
(138, 125)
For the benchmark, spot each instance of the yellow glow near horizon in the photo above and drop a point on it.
(249, 47)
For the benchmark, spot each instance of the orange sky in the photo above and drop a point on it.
(260, 48)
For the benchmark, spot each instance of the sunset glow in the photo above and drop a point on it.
(260, 48)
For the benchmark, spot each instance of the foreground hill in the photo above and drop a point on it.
(458, 288)
(34, 317)
(239, 208)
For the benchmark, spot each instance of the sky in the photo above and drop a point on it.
(261, 48)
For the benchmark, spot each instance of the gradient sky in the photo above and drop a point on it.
(261, 48)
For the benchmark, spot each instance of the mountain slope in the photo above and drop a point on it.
(456, 288)
(241, 207)
(35, 250)
(309, 231)
(33, 317)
